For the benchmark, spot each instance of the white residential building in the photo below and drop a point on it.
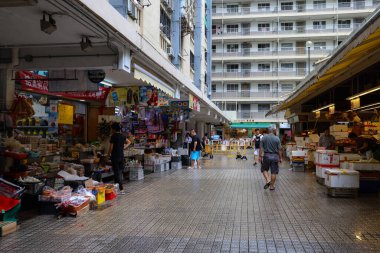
(262, 49)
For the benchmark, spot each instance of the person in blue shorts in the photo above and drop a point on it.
(195, 149)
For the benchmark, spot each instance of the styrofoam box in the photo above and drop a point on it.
(327, 157)
(136, 174)
(337, 178)
(320, 171)
(349, 157)
(176, 165)
(298, 153)
(364, 166)
(338, 128)
(159, 167)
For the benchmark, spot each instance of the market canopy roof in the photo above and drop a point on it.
(359, 51)
(250, 125)
(145, 76)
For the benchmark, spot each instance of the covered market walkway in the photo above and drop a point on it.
(221, 208)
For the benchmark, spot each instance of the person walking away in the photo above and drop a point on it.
(256, 139)
(195, 147)
(116, 152)
(270, 157)
(327, 140)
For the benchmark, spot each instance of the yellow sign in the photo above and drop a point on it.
(355, 103)
(332, 110)
(65, 114)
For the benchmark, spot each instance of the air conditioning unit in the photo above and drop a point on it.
(131, 10)
(165, 2)
(169, 51)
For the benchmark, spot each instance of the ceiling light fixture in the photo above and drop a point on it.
(105, 83)
(366, 106)
(85, 43)
(48, 26)
(324, 107)
(364, 93)
(369, 109)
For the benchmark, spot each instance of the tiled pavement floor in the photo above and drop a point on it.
(220, 208)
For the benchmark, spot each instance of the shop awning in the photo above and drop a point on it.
(250, 125)
(144, 75)
(347, 60)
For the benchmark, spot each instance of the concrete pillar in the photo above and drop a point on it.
(7, 88)
(209, 48)
(176, 33)
(198, 43)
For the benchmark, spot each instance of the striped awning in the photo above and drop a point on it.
(145, 76)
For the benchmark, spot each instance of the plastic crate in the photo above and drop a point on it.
(9, 189)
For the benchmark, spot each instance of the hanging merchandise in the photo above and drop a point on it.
(22, 108)
(151, 96)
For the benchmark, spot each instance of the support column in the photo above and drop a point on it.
(198, 43)
(7, 88)
(209, 47)
(176, 33)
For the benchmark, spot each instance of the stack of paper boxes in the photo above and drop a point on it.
(339, 131)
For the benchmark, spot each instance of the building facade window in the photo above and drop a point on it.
(214, 48)
(320, 45)
(286, 26)
(344, 24)
(232, 67)
(286, 46)
(191, 60)
(319, 4)
(264, 87)
(263, 67)
(165, 23)
(287, 6)
(232, 8)
(232, 87)
(344, 3)
(230, 107)
(263, 27)
(319, 25)
(213, 68)
(213, 88)
(263, 47)
(232, 48)
(232, 28)
(288, 66)
(263, 6)
(286, 87)
(263, 107)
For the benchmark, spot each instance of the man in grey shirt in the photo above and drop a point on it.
(270, 157)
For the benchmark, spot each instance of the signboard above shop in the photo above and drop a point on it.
(194, 103)
(39, 84)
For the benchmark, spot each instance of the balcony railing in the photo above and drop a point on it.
(296, 8)
(257, 115)
(248, 73)
(248, 52)
(246, 94)
(282, 31)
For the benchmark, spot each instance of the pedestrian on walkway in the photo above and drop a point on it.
(116, 152)
(256, 139)
(270, 157)
(195, 147)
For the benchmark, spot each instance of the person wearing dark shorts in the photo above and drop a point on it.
(270, 157)
(116, 152)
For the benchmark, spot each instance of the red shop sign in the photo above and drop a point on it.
(37, 83)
